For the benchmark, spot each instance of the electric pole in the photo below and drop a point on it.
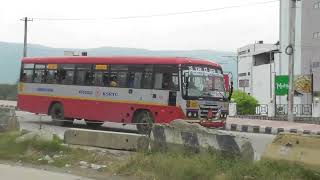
(25, 19)
(290, 50)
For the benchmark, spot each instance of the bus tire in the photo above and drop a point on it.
(93, 124)
(144, 120)
(57, 115)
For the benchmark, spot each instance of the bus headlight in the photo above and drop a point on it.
(192, 104)
(192, 114)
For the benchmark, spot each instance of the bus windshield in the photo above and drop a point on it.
(203, 82)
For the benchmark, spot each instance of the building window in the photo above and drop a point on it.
(317, 5)
(242, 74)
(316, 35)
(244, 83)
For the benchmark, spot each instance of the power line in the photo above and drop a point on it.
(156, 15)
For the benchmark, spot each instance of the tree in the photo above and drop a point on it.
(246, 104)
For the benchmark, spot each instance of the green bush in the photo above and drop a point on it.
(8, 91)
(246, 104)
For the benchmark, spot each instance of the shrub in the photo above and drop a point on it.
(246, 104)
(8, 91)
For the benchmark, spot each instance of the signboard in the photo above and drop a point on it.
(302, 85)
(281, 85)
(52, 66)
(101, 67)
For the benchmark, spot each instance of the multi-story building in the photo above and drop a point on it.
(256, 67)
(307, 42)
(259, 63)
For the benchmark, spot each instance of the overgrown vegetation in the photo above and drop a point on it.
(8, 91)
(33, 151)
(209, 167)
(246, 104)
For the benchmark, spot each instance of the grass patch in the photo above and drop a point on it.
(33, 151)
(164, 166)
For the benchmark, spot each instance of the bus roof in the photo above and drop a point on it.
(118, 60)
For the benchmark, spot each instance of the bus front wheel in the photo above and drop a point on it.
(144, 121)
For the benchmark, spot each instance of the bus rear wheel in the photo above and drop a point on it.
(93, 124)
(144, 121)
(57, 115)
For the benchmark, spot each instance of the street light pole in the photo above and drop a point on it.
(25, 42)
(290, 51)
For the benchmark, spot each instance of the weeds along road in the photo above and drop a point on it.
(31, 122)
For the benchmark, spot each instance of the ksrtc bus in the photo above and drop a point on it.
(140, 90)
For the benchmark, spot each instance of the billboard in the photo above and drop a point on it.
(302, 85)
(281, 85)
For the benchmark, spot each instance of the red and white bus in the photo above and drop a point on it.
(139, 90)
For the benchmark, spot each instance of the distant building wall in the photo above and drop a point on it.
(307, 43)
(256, 66)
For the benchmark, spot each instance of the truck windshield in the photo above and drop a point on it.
(203, 82)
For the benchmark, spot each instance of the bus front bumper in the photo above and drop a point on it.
(209, 123)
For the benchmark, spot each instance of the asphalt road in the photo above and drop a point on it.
(9, 172)
(32, 122)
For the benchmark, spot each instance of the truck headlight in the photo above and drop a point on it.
(192, 114)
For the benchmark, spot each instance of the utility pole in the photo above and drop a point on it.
(290, 51)
(25, 42)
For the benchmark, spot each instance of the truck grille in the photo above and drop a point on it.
(205, 108)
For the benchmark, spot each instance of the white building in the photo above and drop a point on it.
(259, 63)
(307, 42)
(256, 67)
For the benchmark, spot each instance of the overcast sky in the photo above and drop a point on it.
(225, 29)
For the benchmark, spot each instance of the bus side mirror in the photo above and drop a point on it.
(230, 90)
(186, 81)
(186, 78)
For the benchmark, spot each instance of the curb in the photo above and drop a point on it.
(267, 129)
(8, 106)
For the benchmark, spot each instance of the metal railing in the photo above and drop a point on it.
(262, 109)
(298, 109)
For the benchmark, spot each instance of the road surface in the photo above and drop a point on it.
(9, 172)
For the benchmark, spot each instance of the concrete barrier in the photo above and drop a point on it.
(8, 120)
(181, 136)
(301, 148)
(106, 139)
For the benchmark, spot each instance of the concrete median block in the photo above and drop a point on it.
(8, 120)
(106, 139)
(181, 136)
(301, 148)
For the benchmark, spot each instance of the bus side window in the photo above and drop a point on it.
(134, 80)
(84, 74)
(118, 76)
(100, 78)
(27, 75)
(51, 76)
(39, 73)
(66, 73)
(147, 77)
(166, 77)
